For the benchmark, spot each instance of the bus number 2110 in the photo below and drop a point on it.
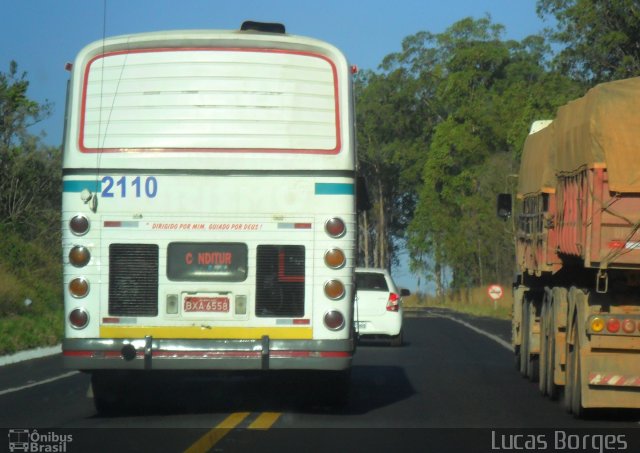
(138, 186)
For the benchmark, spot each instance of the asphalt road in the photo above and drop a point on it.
(451, 387)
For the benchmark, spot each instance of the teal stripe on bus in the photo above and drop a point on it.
(79, 186)
(334, 188)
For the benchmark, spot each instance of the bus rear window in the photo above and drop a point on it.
(207, 261)
(210, 99)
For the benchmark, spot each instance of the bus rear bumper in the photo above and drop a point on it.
(170, 354)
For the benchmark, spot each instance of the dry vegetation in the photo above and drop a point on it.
(473, 301)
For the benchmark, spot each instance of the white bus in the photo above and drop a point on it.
(209, 205)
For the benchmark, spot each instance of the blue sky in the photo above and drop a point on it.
(43, 35)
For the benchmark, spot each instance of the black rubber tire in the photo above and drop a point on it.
(576, 396)
(543, 360)
(524, 345)
(397, 340)
(568, 387)
(553, 389)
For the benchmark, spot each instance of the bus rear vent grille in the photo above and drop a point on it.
(133, 280)
(280, 281)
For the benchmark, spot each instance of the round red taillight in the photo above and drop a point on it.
(79, 287)
(334, 289)
(79, 225)
(79, 256)
(334, 320)
(613, 325)
(334, 258)
(78, 318)
(335, 227)
(628, 325)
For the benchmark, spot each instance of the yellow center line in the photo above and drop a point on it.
(206, 442)
(265, 420)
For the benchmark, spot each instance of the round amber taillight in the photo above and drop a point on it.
(334, 258)
(597, 324)
(334, 320)
(335, 227)
(334, 289)
(79, 256)
(79, 225)
(79, 287)
(78, 318)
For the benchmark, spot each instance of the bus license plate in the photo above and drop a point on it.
(206, 304)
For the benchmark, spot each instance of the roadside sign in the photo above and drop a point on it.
(495, 292)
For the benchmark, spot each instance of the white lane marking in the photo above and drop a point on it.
(491, 336)
(34, 384)
(30, 354)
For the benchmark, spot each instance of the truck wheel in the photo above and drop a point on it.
(524, 345)
(530, 362)
(553, 390)
(576, 394)
(544, 354)
(569, 380)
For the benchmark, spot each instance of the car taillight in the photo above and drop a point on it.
(393, 304)
(79, 318)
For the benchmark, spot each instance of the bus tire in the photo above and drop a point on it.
(105, 393)
(336, 389)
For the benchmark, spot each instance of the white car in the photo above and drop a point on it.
(378, 307)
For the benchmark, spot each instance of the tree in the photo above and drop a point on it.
(29, 172)
(599, 38)
(485, 94)
(388, 125)
(17, 111)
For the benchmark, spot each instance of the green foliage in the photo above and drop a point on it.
(30, 265)
(17, 111)
(489, 89)
(599, 38)
(448, 115)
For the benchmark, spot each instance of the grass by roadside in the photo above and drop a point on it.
(30, 294)
(474, 301)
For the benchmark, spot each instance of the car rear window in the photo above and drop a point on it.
(371, 282)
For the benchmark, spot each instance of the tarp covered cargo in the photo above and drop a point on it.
(537, 163)
(602, 129)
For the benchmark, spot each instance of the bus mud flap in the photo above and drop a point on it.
(148, 346)
(265, 352)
